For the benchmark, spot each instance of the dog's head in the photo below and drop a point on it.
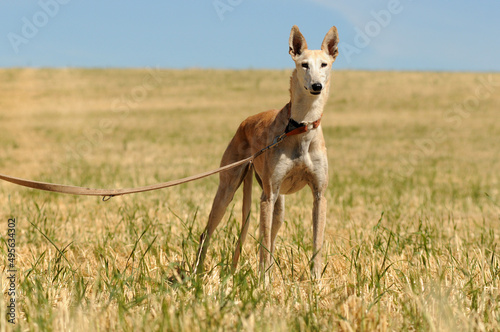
(313, 66)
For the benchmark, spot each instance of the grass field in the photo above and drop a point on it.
(413, 219)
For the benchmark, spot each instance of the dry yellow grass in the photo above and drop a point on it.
(413, 203)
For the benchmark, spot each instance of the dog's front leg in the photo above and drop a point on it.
(278, 217)
(319, 221)
(267, 202)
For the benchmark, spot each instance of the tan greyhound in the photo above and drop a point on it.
(296, 161)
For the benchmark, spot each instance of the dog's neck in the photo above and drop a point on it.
(306, 107)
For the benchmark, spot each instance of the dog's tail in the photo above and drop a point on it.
(247, 203)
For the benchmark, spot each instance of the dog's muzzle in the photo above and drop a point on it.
(315, 88)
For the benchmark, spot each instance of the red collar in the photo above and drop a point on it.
(295, 128)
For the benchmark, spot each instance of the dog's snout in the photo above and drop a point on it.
(317, 87)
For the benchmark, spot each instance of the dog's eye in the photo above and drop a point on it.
(323, 65)
(305, 65)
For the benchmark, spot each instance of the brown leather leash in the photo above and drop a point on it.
(108, 193)
(293, 128)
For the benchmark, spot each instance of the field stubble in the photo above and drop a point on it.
(413, 203)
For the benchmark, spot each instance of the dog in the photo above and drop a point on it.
(295, 162)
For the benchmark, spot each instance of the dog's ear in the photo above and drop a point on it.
(331, 42)
(297, 42)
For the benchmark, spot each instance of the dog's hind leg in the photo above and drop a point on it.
(229, 182)
(247, 203)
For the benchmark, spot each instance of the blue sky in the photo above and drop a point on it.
(455, 35)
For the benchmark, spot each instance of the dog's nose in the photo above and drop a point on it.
(317, 87)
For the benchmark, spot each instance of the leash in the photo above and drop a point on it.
(109, 193)
(293, 128)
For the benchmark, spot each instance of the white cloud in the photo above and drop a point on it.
(357, 12)
(345, 8)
